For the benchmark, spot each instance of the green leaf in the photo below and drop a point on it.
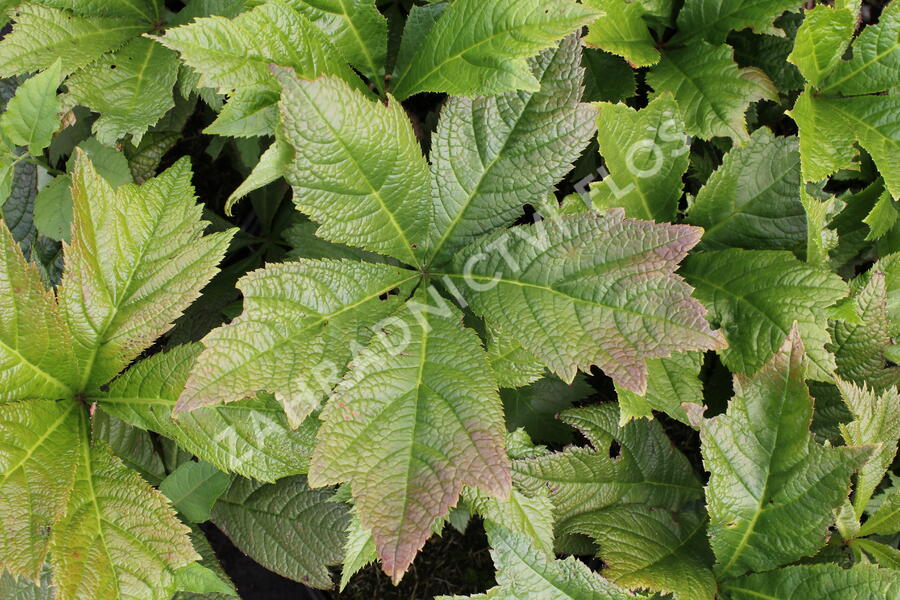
(357, 168)
(885, 520)
(875, 65)
(876, 422)
(130, 88)
(155, 261)
(273, 164)
(772, 489)
(21, 588)
(119, 538)
(646, 153)
(608, 78)
(532, 139)
(535, 407)
(671, 382)
(53, 209)
(38, 455)
(110, 163)
(882, 218)
(607, 283)
(415, 419)
(250, 437)
(623, 31)
(193, 488)
(886, 556)
(43, 35)
(753, 200)
(197, 579)
(476, 48)
(359, 550)
(132, 445)
(821, 41)
(356, 28)
(301, 323)
(18, 211)
(713, 19)
(712, 92)
(231, 54)
(249, 112)
(531, 516)
(147, 10)
(36, 360)
(144, 158)
(648, 469)
(513, 365)
(756, 295)
(820, 239)
(824, 582)
(32, 115)
(286, 527)
(646, 547)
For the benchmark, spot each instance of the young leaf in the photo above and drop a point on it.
(38, 455)
(756, 295)
(193, 488)
(155, 262)
(671, 382)
(120, 538)
(606, 282)
(286, 527)
(197, 579)
(299, 350)
(646, 153)
(250, 437)
(821, 41)
(478, 48)
(32, 115)
(130, 88)
(36, 359)
(823, 582)
(490, 156)
(712, 92)
(531, 516)
(273, 164)
(753, 200)
(416, 418)
(357, 166)
(772, 489)
(43, 35)
(623, 31)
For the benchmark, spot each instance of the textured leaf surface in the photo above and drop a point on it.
(671, 382)
(753, 200)
(755, 296)
(120, 537)
(534, 407)
(416, 418)
(514, 365)
(147, 10)
(712, 92)
(42, 35)
(31, 118)
(250, 437)
(491, 156)
(296, 333)
(826, 582)
(358, 169)
(605, 283)
(771, 488)
(35, 360)
(193, 488)
(479, 48)
(582, 480)
(713, 19)
(646, 153)
(130, 88)
(647, 547)
(821, 40)
(38, 455)
(623, 31)
(286, 527)
(138, 258)
(531, 516)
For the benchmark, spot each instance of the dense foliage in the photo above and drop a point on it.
(619, 279)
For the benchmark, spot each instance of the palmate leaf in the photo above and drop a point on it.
(300, 326)
(250, 437)
(825, 582)
(524, 571)
(138, 258)
(513, 365)
(416, 418)
(623, 31)
(130, 88)
(478, 48)
(646, 153)
(753, 200)
(606, 283)
(772, 489)
(756, 295)
(119, 537)
(713, 19)
(42, 35)
(287, 527)
(357, 167)
(492, 155)
(38, 454)
(711, 91)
